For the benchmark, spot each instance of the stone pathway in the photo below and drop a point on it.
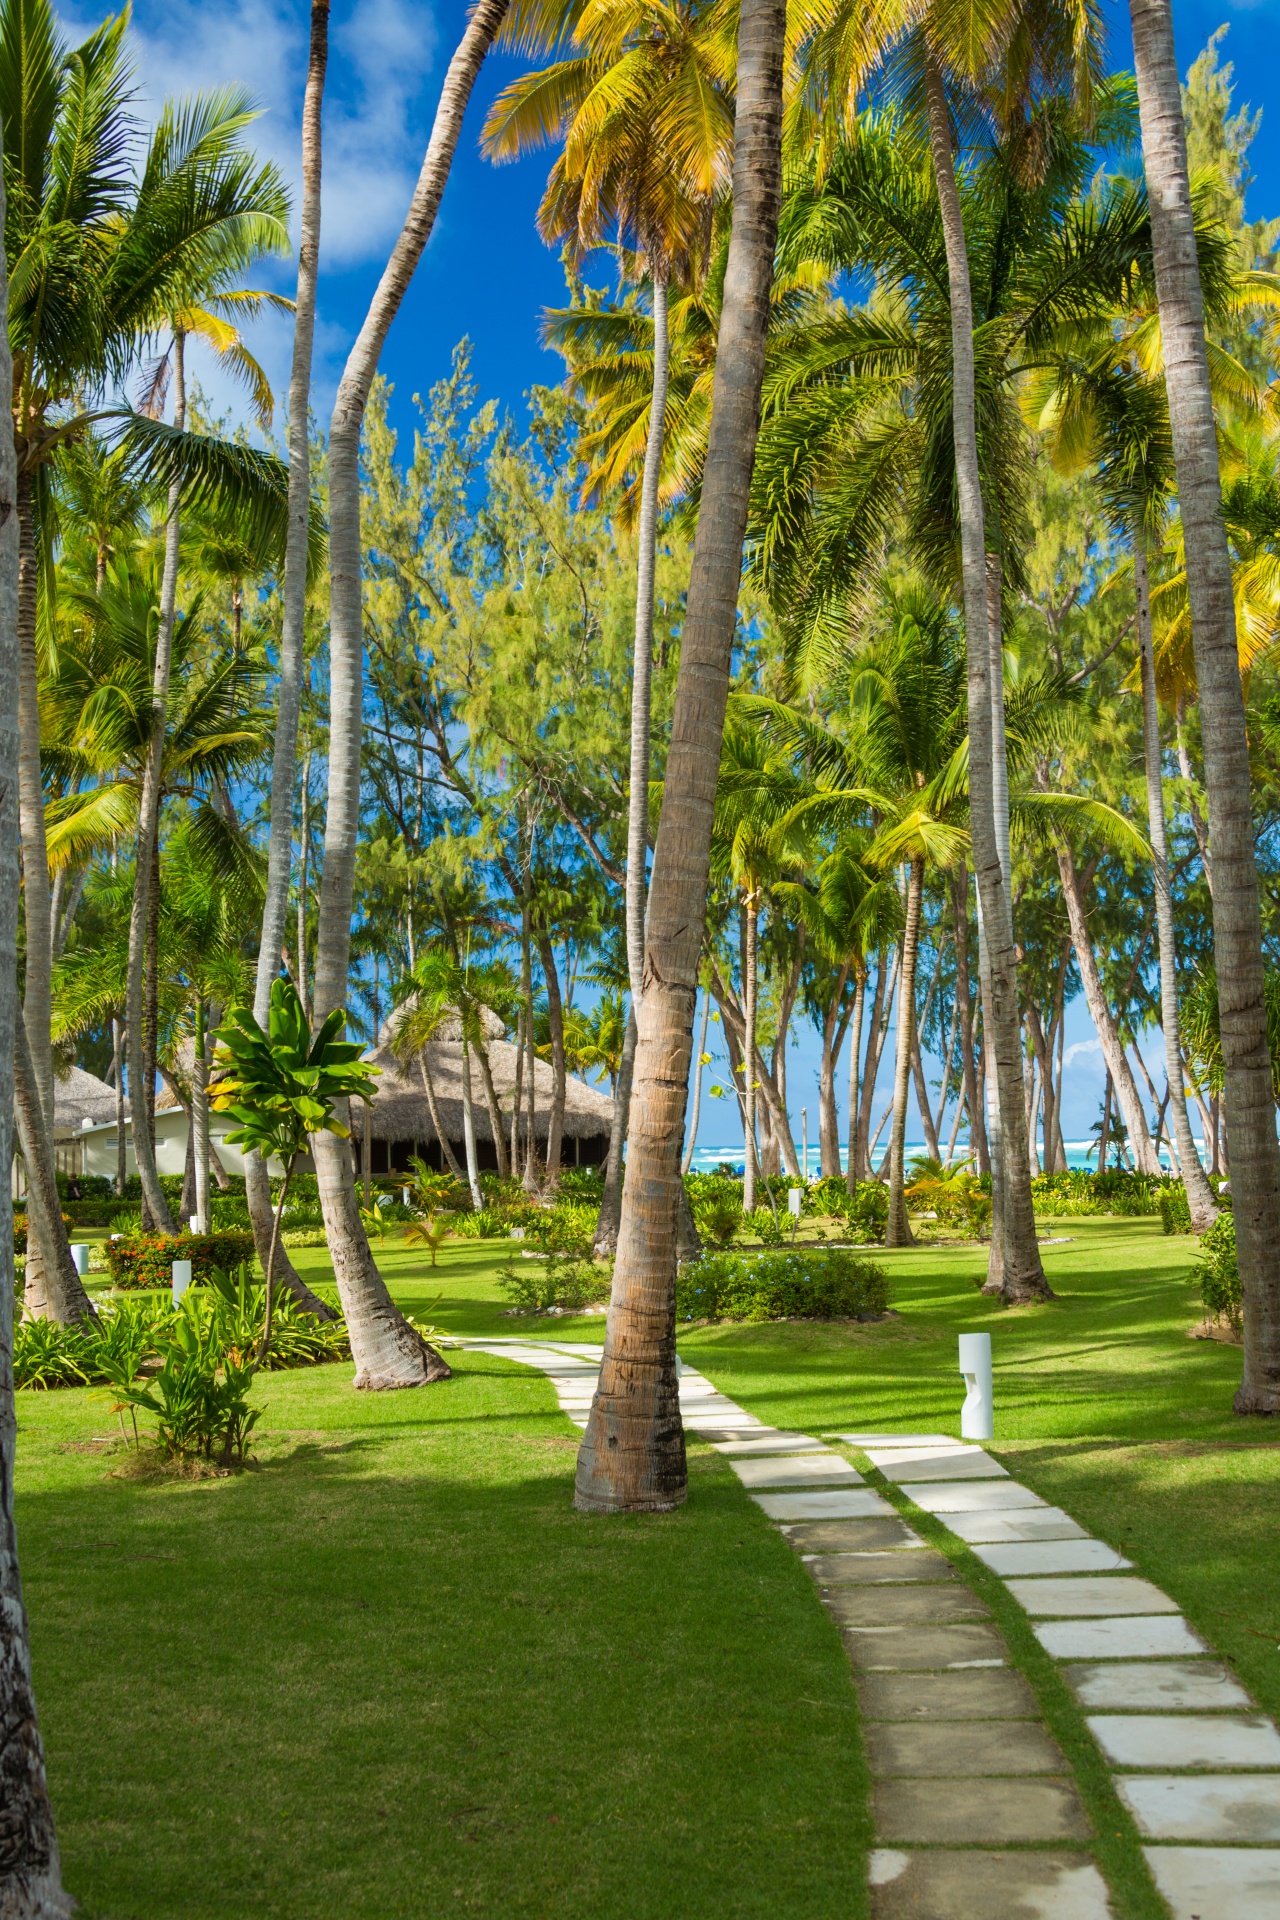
(947, 1715)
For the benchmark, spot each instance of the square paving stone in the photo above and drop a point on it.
(870, 1569)
(1197, 1686)
(858, 1503)
(1218, 1883)
(944, 1497)
(853, 1536)
(987, 1886)
(898, 1439)
(1153, 1637)
(909, 1648)
(964, 1748)
(1011, 1557)
(1167, 1740)
(935, 1812)
(989, 1693)
(894, 1606)
(1240, 1807)
(1030, 1523)
(1089, 1598)
(908, 1464)
(769, 1440)
(798, 1470)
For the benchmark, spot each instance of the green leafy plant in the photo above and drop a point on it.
(486, 1223)
(146, 1260)
(765, 1225)
(802, 1283)
(1175, 1210)
(718, 1214)
(281, 1087)
(538, 1286)
(1218, 1273)
(425, 1233)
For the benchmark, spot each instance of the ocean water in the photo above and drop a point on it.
(707, 1159)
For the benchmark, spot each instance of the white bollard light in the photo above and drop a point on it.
(181, 1279)
(404, 1196)
(193, 1221)
(977, 1413)
(795, 1196)
(80, 1254)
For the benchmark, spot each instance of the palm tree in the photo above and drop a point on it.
(644, 110)
(632, 1454)
(387, 1351)
(30, 1874)
(1237, 924)
(289, 683)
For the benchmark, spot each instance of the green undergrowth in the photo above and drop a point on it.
(391, 1672)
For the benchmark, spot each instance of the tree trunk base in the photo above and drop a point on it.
(1251, 1399)
(1017, 1292)
(420, 1368)
(632, 1457)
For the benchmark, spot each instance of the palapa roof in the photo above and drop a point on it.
(82, 1096)
(400, 1110)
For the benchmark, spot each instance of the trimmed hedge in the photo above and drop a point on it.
(801, 1283)
(146, 1259)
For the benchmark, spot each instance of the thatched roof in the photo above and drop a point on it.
(80, 1097)
(400, 1110)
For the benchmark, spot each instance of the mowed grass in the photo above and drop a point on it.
(392, 1673)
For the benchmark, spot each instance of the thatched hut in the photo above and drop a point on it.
(400, 1122)
(80, 1100)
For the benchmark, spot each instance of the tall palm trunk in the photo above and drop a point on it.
(642, 667)
(964, 998)
(140, 916)
(632, 1454)
(117, 1068)
(1237, 927)
(447, 1155)
(289, 685)
(691, 1128)
(54, 1290)
(559, 1081)
(833, 1032)
(469, 1129)
(495, 1111)
(855, 1060)
(1200, 1201)
(750, 944)
(897, 1231)
(387, 1351)
(1023, 1274)
(200, 1121)
(605, 1243)
(881, 1009)
(30, 1877)
(36, 898)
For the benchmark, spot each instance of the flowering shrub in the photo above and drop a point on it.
(146, 1259)
(800, 1283)
(20, 1231)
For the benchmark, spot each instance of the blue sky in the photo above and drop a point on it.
(486, 275)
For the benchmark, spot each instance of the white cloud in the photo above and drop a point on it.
(1078, 1048)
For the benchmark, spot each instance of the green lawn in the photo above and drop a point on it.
(392, 1673)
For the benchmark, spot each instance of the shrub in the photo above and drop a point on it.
(1175, 1210)
(487, 1224)
(801, 1283)
(146, 1259)
(569, 1228)
(1218, 1273)
(717, 1213)
(868, 1212)
(829, 1195)
(765, 1225)
(582, 1183)
(535, 1285)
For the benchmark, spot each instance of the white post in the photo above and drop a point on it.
(977, 1414)
(795, 1196)
(193, 1221)
(181, 1279)
(80, 1254)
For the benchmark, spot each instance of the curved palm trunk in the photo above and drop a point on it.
(30, 1877)
(275, 903)
(1023, 1274)
(36, 897)
(855, 1058)
(833, 1032)
(605, 1244)
(54, 1290)
(750, 1151)
(200, 1122)
(1237, 926)
(559, 1083)
(447, 1153)
(122, 1163)
(691, 1128)
(897, 1231)
(632, 1455)
(469, 1130)
(141, 1093)
(642, 665)
(387, 1351)
(495, 1111)
(1200, 1201)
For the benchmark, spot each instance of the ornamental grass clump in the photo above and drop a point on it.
(798, 1283)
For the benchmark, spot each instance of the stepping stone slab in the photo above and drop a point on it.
(867, 1440)
(1186, 1740)
(800, 1470)
(939, 1812)
(1087, 1598)
(941, 1748)
(858, 1503)
(908, 1464)
(990, 1693)
(892, 1606)
(1158, 1637)
(1198, 1686)
(1203, 1806)
(996, 1886)
(1011, 1557)
(909, 1649)
(1041, 1523)
(942, 1497)
(1218, 1883)
(853, 1536)
(770, 1441)
(870, 1569)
